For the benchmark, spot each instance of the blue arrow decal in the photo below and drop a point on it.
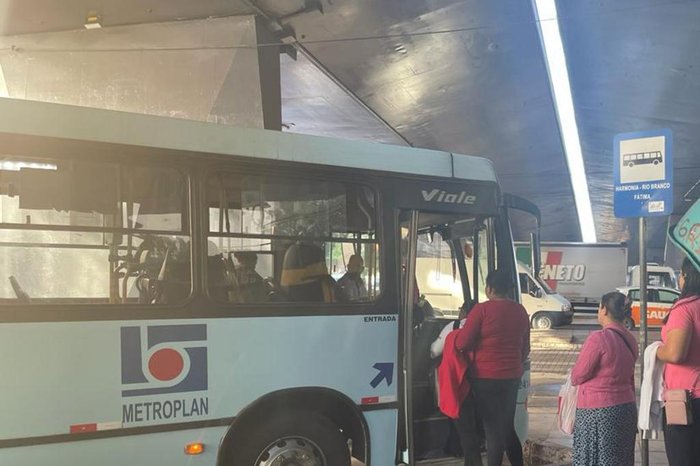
(386, 371)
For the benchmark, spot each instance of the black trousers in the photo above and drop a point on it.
(467, 426)
(496, 401)
(683, 442)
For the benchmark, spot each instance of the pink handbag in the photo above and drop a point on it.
(678, 406)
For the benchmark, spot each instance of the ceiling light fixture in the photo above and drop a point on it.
(553, 48)
(92, 21)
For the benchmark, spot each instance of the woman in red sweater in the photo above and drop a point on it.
(498, 334)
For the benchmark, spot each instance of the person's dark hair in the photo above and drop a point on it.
(465, 308)
(691, 283)
(500, 282)
(246, 258)
(691, 286)
(614, 303)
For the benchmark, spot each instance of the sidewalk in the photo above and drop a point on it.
(552, 356)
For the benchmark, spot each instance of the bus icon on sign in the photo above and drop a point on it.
(642, 158)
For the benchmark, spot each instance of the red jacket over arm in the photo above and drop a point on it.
(452, 378)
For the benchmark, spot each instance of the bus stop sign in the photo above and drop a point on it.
(643, 173)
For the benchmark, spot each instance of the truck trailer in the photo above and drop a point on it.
(581, 272)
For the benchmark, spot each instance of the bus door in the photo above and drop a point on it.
(444, 259)
(525, 218)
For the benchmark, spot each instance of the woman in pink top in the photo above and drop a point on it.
(606, 413)
(681, 353)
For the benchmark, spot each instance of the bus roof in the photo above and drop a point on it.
(43, 119)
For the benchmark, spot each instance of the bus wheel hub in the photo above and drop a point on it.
(291, 451)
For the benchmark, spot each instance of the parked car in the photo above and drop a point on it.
(659, 302)
(657, 275)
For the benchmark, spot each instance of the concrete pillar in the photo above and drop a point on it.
(208, 70)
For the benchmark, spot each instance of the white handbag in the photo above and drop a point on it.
(566, 415)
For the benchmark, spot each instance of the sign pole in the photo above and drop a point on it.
(643, 335)
(643, 176)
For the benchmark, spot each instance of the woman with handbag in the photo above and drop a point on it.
(681, 353)
(606, 413)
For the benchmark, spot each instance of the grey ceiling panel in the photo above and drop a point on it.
(202, 76)
(461, 76)
(313, 104)
(634, 65)
(31, 16)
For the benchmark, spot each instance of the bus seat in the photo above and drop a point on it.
(305, 275)
(216, 277)
(176, 287)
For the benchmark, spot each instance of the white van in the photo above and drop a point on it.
(657, 275)
(546, 307)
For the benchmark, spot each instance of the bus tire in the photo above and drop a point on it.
(542, 321)
(297, 437)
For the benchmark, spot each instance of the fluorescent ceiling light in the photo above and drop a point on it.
(546, 13)
(10, 165)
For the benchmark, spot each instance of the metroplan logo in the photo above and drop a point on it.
(158, 359)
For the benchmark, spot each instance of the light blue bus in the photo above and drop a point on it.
(166, 290)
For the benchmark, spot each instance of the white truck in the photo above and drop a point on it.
(581, 272)
(546, 307)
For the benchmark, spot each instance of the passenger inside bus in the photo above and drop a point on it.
(251, 285)
(295, 238)
(351, 287)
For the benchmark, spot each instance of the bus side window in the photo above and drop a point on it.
(88, 232)
(298, 234)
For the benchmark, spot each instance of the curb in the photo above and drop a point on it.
(555, 343)
(556, 346)
(544, 453)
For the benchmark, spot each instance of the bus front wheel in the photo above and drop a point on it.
(299, 438)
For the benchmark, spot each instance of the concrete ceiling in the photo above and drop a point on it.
(468, 76)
